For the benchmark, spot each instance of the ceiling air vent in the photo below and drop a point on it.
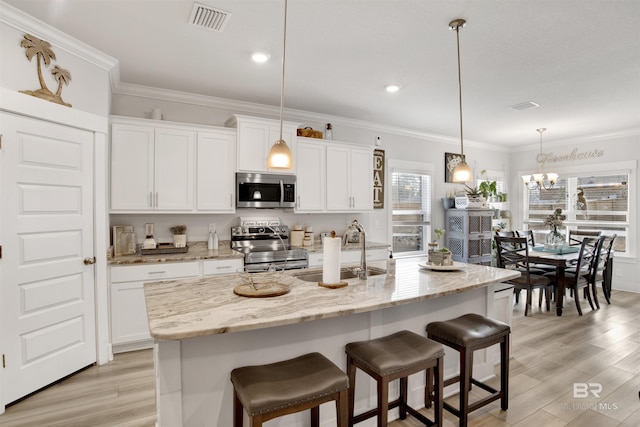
(208, 17)
(524, 106)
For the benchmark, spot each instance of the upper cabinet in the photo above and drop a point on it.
(154, 167)
(333, 177)
(350, 181)
(255, 136)
(215, 180)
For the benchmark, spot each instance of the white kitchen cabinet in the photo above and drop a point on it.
(212, 267)
(129, 325)
(349, 178)
(255, 136)
(215, 171)
(311, 177)
(152, 168)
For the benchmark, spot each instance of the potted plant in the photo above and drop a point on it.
(439, 256)
(476, 200)
(433, 245)
(487, 188)
(179, 236)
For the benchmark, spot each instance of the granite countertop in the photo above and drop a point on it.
(198, 251)
(188, 308)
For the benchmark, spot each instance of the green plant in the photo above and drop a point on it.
(439, 232)
(472, 191)
(444, 250)
(487, 188)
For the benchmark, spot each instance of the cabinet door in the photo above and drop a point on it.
(174, 169)
(361, 167)
(215, 181)
(128, 313)
(310, 179)
(131, 167)
(338, 184)
(252, 146)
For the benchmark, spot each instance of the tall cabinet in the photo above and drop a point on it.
(468, 235)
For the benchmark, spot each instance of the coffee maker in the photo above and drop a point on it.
(149, 241)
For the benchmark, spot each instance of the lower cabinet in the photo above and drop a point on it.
(129, 325)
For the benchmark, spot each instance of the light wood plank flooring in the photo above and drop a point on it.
(550, 354)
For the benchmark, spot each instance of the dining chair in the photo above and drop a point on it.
(578, 277)
(513, 253)
(576, 236)
(602, 269)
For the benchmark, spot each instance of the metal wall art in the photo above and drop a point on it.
(42, 51)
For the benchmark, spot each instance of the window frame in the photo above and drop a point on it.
(624, 167)
(419, 168)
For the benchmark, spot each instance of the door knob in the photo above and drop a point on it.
(89, 261)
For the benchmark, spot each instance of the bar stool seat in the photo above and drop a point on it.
(395, 356)
(282, 388)
(466, 334)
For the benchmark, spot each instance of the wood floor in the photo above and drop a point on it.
(550, 355)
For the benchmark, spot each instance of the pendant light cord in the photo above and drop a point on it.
(460, 90)
(284, 50)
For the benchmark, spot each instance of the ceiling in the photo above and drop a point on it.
(578, 59)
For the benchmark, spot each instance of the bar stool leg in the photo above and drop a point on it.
(238, 411)
(438, 410)
(351, 373)
(383, 401)
(466, 361)
(315, 417)
(342, 409)
(403, 398)
(504, 373)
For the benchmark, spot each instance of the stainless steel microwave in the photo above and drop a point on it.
(264, 190)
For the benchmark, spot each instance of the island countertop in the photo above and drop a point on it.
(181, 309)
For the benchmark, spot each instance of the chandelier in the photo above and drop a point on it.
(538, 182)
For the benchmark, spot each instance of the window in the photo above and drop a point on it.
(591, 201)
(411, 209)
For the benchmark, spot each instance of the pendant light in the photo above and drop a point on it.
(539, 178)
(462, 172)
(280, 155)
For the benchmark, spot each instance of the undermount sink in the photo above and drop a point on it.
(345, 273)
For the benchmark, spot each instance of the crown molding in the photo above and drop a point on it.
(581, 140)
(129, 89)
(19, 20)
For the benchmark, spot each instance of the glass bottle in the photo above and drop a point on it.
(328, 133)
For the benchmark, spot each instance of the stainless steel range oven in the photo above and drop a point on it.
(265, 242)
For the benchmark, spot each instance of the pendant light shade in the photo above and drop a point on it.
(280, 156)
(462, 172)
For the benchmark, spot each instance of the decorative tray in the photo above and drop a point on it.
(455, 267)
(164, 248)
(261, 285)
(559, 251)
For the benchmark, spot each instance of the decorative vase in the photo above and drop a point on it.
(448, 202)
(179, 240)
(554, 240)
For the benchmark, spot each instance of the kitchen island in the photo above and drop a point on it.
(202, 330)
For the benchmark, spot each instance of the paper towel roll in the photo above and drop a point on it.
(331, 264)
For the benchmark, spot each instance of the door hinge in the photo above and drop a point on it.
(0, 141)
(4, 365)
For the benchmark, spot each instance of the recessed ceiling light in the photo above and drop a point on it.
(260, 57)
(392, 88)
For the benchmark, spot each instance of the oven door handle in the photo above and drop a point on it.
(281, 193)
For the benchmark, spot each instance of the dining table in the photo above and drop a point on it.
(558, 258)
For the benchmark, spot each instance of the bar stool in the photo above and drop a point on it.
(466, 334)
(391, 357)
(287, 387)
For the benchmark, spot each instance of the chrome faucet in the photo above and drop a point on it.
(362, 270)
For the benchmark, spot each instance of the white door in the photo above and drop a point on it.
(338, 184)
(47, 313)
(310, 179)
(362, 179)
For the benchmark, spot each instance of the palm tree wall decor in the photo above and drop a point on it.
(41, 49)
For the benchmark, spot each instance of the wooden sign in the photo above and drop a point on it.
(378, 179)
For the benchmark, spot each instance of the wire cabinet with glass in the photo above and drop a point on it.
(468, 235)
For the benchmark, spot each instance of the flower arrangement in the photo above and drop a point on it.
(179, 229)
(555, 219)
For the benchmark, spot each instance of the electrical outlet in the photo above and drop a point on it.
(212, 227)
